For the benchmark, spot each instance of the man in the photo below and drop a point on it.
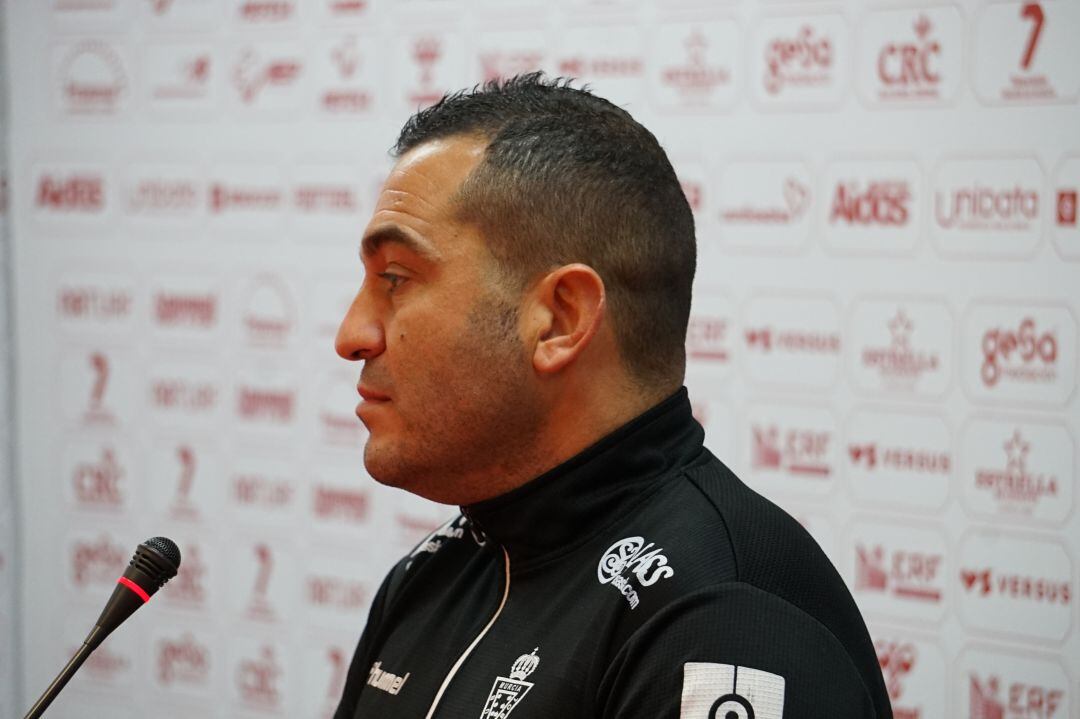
(522, 322)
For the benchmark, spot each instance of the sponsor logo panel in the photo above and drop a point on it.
(97, 387)
(185, 307)
(1018, 470)
(915, 673)
(180, 15)
(98, 476)
(694, 65)
(987, 208)
(265, 13)
(1025, 52)
(266, 399)
(88, 15)
(899, 459)
(266, 79)
(1010, 684)
(184, 661)
(95, 303)
(1016, 586)
(265, 582)
(510, 52)
(1064, 217)
(260, 676)
(94, 561)
(901, 347)
(195, 586)
(338, 425)
(711, 335)
(335, 592)
(789, 449)
(345, 74)
(91, 79)
(429, 65)
(327, 200)
(764, 205)
(799, 62)
(911, 57)
(267, 311)
(612, 61)
(263, 490)
(246, 197)
(70, 193)
(898, 570)
(181, 80)
(163, 193)
(184, 393)
(873, 207)
(1019, 353)
(344, 12)
(790, 340)
(188, 488)
(325, 667)
(339, 500)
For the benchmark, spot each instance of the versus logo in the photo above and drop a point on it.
(507, 692)
(633, 555)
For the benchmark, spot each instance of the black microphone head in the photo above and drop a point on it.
(158, 559)
(166, 548)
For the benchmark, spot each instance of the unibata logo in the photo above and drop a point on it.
(767, 339)
(986, 582)
(645, 561)
(92, 79)
(182, 661)
(880, 202)
(900, 361)
(1015, 484)
(257, 679)
(93, 303)
(801, 452)
(871, 456)
(1021, 355)
(904, 574)
(74, 193)
(336, 593)
(350, 505)
(707, 339)
(796, 200)
(897, 660)
(97, 561)
(979, 207)
(97, 484)
(805, 60)
(908, 69)
(183, 309)
(163, 196)
(695, 79)
(251, 74)
(993, 698)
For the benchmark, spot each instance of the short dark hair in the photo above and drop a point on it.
(570, 177)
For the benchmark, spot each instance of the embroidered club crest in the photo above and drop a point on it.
(507, 692)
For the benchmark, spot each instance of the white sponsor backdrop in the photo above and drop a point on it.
(884, 337)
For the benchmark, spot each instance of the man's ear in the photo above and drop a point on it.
(569, 305)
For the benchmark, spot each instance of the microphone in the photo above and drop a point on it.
(156, 561)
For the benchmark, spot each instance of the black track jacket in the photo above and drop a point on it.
(638, 580)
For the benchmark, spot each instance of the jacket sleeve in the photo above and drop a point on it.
(734, 652)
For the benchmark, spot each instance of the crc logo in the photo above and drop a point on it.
(72, 194)
(800, 452)
(992, 698)
(985, 581)
(92, 80)
(258, 679)
(878, 202)
(633, 555)
(1023, 354)
(96, 561)
(912, 56)
(252, 74)
(802, 60)
(904, 574)
(99, 483)
(183, 661)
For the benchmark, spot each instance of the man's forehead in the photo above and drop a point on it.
(433, 168)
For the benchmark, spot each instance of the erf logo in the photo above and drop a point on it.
(989, 700)
(907, 574)
(800, 452)
(898, 569)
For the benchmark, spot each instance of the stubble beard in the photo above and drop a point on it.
(477, 437)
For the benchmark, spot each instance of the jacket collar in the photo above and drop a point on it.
(567, 505)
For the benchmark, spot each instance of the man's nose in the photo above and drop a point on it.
(360, 335)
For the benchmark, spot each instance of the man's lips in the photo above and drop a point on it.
(371, 395)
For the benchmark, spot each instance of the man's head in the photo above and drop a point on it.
(532, 246)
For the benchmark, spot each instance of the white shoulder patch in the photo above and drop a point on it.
(725, 691)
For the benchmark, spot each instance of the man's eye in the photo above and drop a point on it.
(394, 280)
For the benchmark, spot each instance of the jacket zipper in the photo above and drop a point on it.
(468, 650)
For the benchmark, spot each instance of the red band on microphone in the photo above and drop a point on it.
(135, 588)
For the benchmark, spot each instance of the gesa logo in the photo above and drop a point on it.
(1017, 353)
(633, 555)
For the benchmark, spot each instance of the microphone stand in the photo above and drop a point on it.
(93, 640)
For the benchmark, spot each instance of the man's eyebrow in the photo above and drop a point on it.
(391, 233)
